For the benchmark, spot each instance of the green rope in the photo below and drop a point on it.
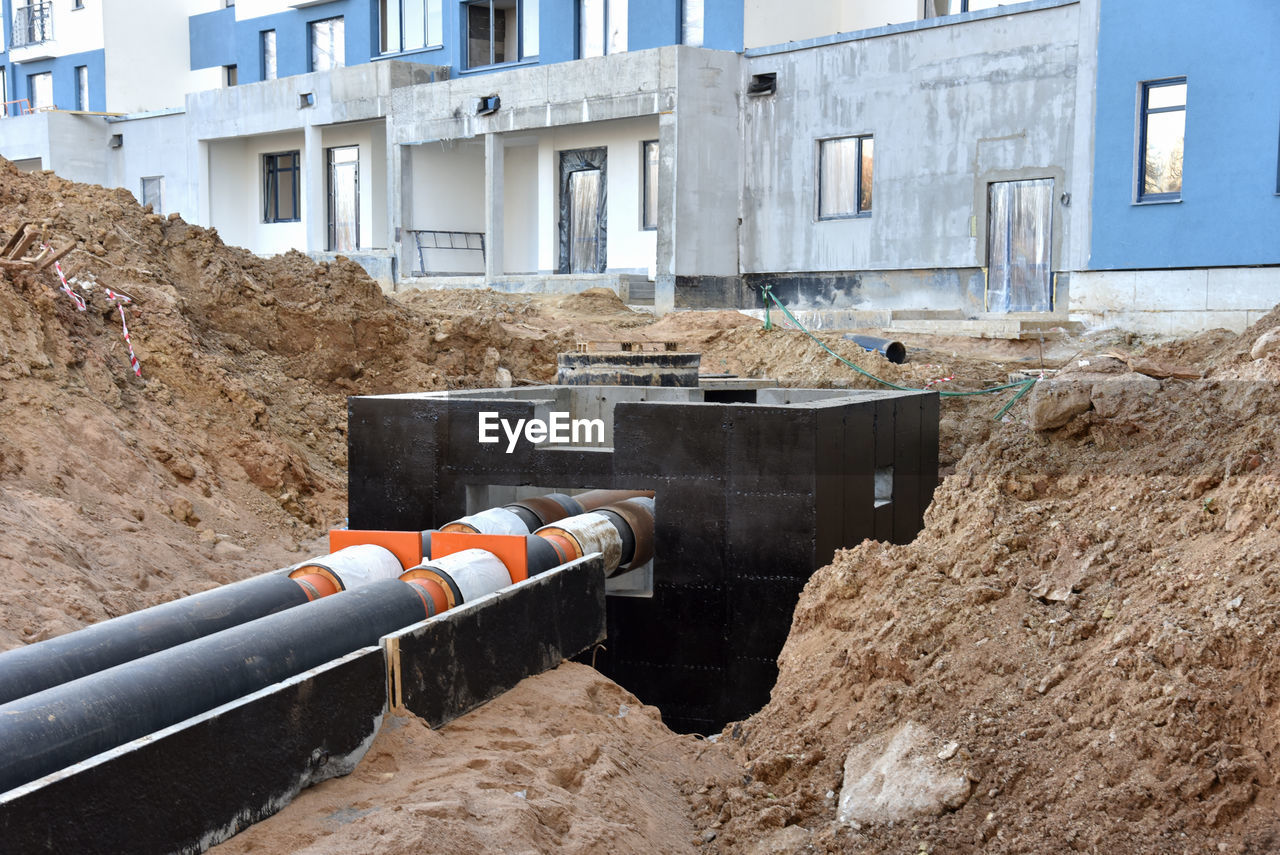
(1023, 386)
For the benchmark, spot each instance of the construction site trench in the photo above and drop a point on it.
(1062, 642)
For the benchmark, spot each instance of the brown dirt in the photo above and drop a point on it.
(566, 762)
(1087, 613)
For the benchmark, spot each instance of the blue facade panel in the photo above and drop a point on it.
(651, 25)
(723, 25)
(213, 38)
(63, 69)
(1229, 213)
(217, 39)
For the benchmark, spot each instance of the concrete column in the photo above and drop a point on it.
(400, 210)
(493, 208)
(664, 284)
(315, 191)
(199, 161)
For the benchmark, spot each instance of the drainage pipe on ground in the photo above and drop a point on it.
(66, 724)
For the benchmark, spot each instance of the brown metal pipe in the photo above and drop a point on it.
(593, 499)
(638, 515)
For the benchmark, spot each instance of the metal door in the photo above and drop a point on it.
(1019, 246)
(344, 199)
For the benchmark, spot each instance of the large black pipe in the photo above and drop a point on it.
(48, 731)
(36, 667)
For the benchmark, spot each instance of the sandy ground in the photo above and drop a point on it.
(1086, 617)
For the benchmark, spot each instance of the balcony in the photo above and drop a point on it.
(32, 31)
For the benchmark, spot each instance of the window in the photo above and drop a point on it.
(328, 44)
(268, 51)
(82, 87)
(78, 4)
(602, 27)
(153, 193)
(40, 90)
(230, 75)
(280, 187)
(1164, 117)
(691, 23)
(4, 93)
(649, 190)
(410, 24)
(937, 8)
(844, 177)
(501, 31)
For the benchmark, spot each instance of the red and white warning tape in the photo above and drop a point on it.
(939, 381)
(119, 299)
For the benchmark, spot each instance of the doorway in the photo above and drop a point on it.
(582, 211)
(1020, 246)
(344, 199)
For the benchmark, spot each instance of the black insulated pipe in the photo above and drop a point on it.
(894, 351)
(48, 731)
(36, 667)
(541, 555)
(625, 534)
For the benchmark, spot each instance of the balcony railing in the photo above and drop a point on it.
(32, 24)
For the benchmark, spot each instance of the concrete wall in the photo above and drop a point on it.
(629, 247)
(521, 229)
(1229, 213)
(447, 194)
(155, 146)
(235, 187)
(1174, 302)
(73, 146)
(952, 107)
(767, 22)
(149, 67)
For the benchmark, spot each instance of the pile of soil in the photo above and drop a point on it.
(228, 457)
(565, 762)
(1082, 632)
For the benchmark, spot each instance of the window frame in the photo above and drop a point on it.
(647, 224)
(82, 88)
(520, 55)
(311, 43)
(263, 37)
(270, 173)
(859, 212)
(31, 91)
(231, 75)
(1144, 93)
(432, 26)
(684, 22)
(157, 208)
(4, 90)
(77, 5)
(605, 35)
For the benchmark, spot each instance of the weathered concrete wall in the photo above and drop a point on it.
(73, 146)
(235, 194)
(352, 94)
(952, 107)
(155, 146)
(1174, 302)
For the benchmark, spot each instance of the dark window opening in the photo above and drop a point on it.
(763, 84)
(280, 187)
(230, 75)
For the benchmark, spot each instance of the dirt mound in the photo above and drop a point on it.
(1082, 628)
(565, 762)
(228, 456)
